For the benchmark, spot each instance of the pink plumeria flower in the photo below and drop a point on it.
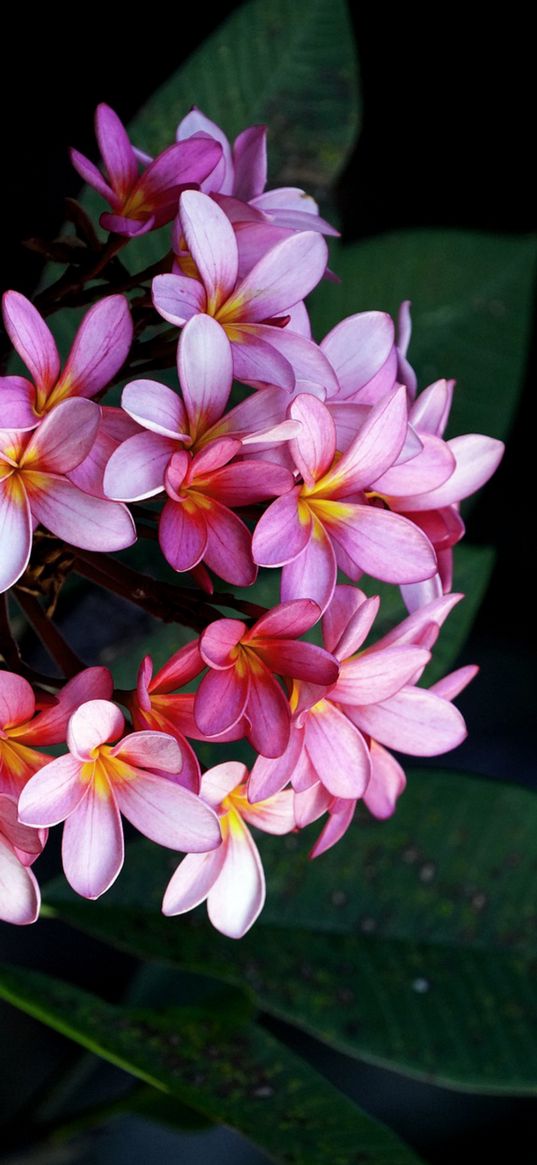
(330, 520)
(24, 723)
(34, 488)
(157, 705)
(253, 313)
(231, 878)
(99, 349)
(142, 202)
(241, 681)
(96, 781)
(20, 845)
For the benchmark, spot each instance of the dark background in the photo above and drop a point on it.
(447, 141)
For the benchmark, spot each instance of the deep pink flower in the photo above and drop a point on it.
(243, 663)
(331, 520)
(24, 724)
(99, 349)
(253, 312)
(34, 488)
(230, 878)
(142, 202)
(20, 845)
(95, 781)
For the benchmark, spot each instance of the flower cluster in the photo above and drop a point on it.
(324, 458)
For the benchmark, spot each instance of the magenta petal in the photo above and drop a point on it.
(229, 546)
(193, 879)
(219, 640)
(17, 700)
(137, 468)
(451, 685)
(376, 447)
(431, 468)
(19, 892)
(286, 621)
(314, 448)
(100, 347)
(32, 339)
(91, 523)
(212, 457)
(309, 364)
(337, 751)
(313, 573)
(94, 683)
(150, 750)
(416, 627)
(92, 846)
(415, 721)
(205, 368)
(168, 814)
(359, 349)
(53, 793)
(94, 722)
(179, 165)
(238, 895)
(430, 412)
(348, 620)
(177, 297)
(383, 544)
(184, 665)
(92, 175)
(256, 362)
(15, 534)
(335, 828)
(247, 482)
(116, 150)
(281, 533)
(250, 159)
(376, 675)
(119, 224)
(220, 700)
(182, 534)
(211, 241)
(268, 713)
(285, 275)
(269, 775)
(387, 782)
(17, 400)
(64, 438)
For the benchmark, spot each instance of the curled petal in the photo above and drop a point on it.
(177, 297)
(150, 750)
(250, 161)
(94, 683)
(270, 775)
(387, 782)
(348, 620)
(218, 642)
(362, 352)
(286, 621)
(476, 460)
(95, 722)
(156, 407)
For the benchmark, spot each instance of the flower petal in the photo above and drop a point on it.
(183, 533)
(283, 531)
(53, 793)
(168, 814)
(32, 339)
(116, 150)
(337, 750)
(99, 349)
(17, 400)
(93, 683)
(20, 899)
(361, 349)
(137, 468)
(285, 275)
(256, 361)
(221, 700)
(314, 448)
(177, 297)
(238, 895)
(431, 468)
(64, 438)
(91, 523)
(192, 880)
(376, 447)
(250, 161)
(268, 712)
(205, 367)
(383, 544)
(17, 700)
(156, 407)
(211, 241)
(476, 458)
(348, 620)
(218, 782)
(387, 782)
(15, 532)
(415, 721)
(229, 546)
(313, 573)
(219, 640)
(92, 845)
(375, 675)
(94, 722)
(90, 173)
(270, 775)
(150, 750)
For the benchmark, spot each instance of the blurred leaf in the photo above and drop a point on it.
(231, 1072)
(412, 944)
(471, 307)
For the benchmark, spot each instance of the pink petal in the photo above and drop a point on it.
(64, 437)
(120, 224)
(53, 793)
(376, 447)
(268, 712)
(335, 828)
(177, 297)
(168, 814)
(250, 160)
(15, 532)
(286, 621)
(312, 802)
(150, 750)
(415, 721)
(283, 531)
(92, 175)
(95, 722)
(116, 150)
(221, 700)
(314, 448)
(238, 895)
(183, 534)
(137, 468)
(337, 751)
(192, 880)
(431, 468)
(416, 595)
(218, 782)
(218, 642)
(312, 573)
(156, 407)
(17, 700)
(285, 275)
(212, 457)
(195, 123)
(19, 892)
(450, 686)
(205, 368)
(387, 782)
(92, 846)
(211, 241)
(362, 352)
(383, 544)
(32, 339)
(17, 400)
(476, 460)
(269, 775)
(246, 482)
(302, 661)
(100, 347)
(305, 357)
(348, 620)
(94, 683)
(255, 236)
(229, 546)
(414, 629)
(273, 816)
(181, 164)
(23, 838)
(256, 361)
(91, 523)
(181, 667)
(376, 675)
(430, 412)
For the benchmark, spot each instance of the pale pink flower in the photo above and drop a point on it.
(230, 878)
(96, 780)
(20, 845)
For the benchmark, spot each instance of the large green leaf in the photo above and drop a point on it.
(231, 1071)
(472, 299)
(411, 944)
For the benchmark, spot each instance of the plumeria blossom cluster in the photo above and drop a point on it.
(319, 462)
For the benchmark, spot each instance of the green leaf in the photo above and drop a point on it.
(237, 1074)
(471, 307)
(411, 944)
